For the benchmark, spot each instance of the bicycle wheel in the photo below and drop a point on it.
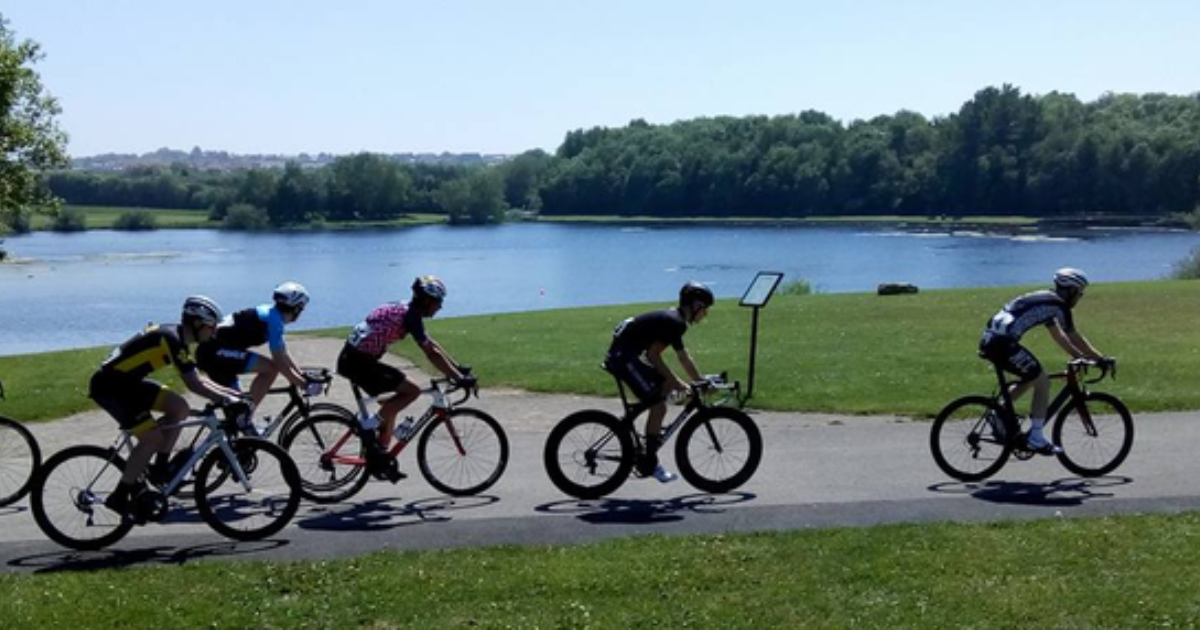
(589, 454)
(19, 460)
(329, 456)
(1096, 439)
(266, 507)
(718, 449)
(463, 454)
(967, 439)
(68, 498)
(315, 409)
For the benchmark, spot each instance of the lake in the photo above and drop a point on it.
(98, 287)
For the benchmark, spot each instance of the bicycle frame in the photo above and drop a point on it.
(215, 436)
(694, 404)
(1073, 391)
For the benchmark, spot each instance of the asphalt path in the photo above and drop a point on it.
(817, 471)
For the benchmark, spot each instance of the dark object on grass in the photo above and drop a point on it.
(896, 288)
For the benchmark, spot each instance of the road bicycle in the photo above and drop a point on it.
(20, 457)
(591, 453)
(974, 436)
(245, 488)
(460, 451)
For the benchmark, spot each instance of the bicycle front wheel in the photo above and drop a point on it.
(254, 512)
(68, 498)
(968, 439)
(589, 454)
(718, 449)
(329, 456)
(1095, 435)
(464, 453)
(19, 460)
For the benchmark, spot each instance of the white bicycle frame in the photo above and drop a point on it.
(216, 437)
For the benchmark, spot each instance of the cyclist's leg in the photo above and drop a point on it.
(265, 372)
(648, 385)
(1029, 370)
(377, 378)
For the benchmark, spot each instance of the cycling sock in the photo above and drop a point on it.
(370, 424)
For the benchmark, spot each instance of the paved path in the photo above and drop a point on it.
(817, 471)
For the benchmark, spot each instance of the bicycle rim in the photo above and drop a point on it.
(265, 507)
(718, 450)
(588, 455)
(329, 458)
(464, 454)
(1095, 440)
(19, 460)
(68, 498)
(965, 444)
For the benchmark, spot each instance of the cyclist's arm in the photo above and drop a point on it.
(440, 359)
(689, 366)
(287, 367)
(1073, 343)
(202, 386)
(654, 355)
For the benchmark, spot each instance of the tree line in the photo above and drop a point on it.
(1001, 153)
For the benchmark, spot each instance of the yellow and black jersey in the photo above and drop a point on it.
(150, 350)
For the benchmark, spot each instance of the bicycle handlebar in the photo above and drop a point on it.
(1107, 368)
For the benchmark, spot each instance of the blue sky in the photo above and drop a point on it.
(274, 76)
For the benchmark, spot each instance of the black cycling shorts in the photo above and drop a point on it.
(224, 365)
(128, 400)
(368, 372)
(641, 377)
(1011, 356)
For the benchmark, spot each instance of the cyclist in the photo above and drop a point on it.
(361, 362)
(228, 354)
(635, 357)
(1001, 344)
(121, 388)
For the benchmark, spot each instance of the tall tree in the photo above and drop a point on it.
(30, 140)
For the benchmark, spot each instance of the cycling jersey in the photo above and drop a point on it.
(635, 335)
(1028, 311)
(148, 351)
(252, 327)
(385, 325)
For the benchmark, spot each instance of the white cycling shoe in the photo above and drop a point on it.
(1039, 444)
(663, 475)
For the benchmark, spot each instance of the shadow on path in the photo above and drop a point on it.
(381, 514)
(1059, 493)
(626, 511)
(116, 558)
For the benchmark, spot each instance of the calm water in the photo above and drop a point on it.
(97, 288)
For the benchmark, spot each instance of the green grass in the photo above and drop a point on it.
(1130, 572)
(104, 217)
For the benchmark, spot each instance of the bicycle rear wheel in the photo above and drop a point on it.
(329, 456)
(968, 439)
(19, 460)
(464, 454)
(719, 449)
(1095, 439)
(589, 454)
(265, 507)
(68, 498)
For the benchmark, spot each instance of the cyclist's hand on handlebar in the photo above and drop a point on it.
(1108, 364)
(313, 388)
(236, 408)
(467, 381)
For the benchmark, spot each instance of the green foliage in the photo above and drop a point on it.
(799, 286)
(3, 252)
(1188, 268)
(476, 199)
(30, 140)
(136, 221)
(243, 216)
(70, 219)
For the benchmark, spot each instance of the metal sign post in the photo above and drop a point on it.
(757, 295)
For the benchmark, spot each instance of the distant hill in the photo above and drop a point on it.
(224, 160)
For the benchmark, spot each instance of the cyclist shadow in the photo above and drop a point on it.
(1065, 492)
(642, 511)
(59, 561)
(12, 509)
(382, 514)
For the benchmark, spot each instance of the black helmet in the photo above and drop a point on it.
(695, 292)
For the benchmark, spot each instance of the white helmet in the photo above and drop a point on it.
(291, 295)
(1070, 278)
(198, 309)
(430, 286)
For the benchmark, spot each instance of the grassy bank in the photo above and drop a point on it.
(105, 217)
(847, 353)
(1057, 573)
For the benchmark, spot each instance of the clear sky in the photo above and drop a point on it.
(503, 76)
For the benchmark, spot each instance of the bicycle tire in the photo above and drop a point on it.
(324, 477)
(20, 457)
(1094, 455)
(582, 434)
(718, 449)
(314, 409)
(270, 504)
(472, 469)
(68, 494)
(961, 436)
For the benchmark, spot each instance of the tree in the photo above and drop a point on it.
(30, 140)
(477, 198)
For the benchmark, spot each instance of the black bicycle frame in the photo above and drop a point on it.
(1073, 390)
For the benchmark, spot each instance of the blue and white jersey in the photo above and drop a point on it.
(252, 327)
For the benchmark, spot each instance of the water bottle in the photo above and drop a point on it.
(402, 432)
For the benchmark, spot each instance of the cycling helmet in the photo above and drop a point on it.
(430, 286)
(291, 295)
(695, 292)
(198, 309)
(1070, 278)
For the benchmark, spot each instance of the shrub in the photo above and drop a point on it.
(135, 220)
(1188, 268)
(3, 252)
(796, 287)
(243, 216)
(70, 220)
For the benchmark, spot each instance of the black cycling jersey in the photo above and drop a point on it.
(150, 350)
(250, 327)
(1026, 312)
(635, 335)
